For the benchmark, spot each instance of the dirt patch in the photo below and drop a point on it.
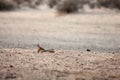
(21, 64)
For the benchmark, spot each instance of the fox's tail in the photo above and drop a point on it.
(50, 50)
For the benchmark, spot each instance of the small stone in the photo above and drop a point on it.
(77, 62)
(78, 54)
(113, 53)
(35, 68)
(1, 52)
(11, 66)
(88, 50)
(58, 64)
(67, 56)
(76, 59)
(79, 79)
(82, 64)
(19, 53)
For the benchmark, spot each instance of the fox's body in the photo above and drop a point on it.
(40, 49)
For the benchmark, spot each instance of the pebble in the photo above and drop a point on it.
(113, 53)
(11, 66)
(88, 50)
(1, 52)
(79, 79)
(82, 64)
(19, 53)
(78, 54)
(58, 64)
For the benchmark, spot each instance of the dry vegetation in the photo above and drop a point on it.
(7, 5)
(14, 4)
(29, 3)
(52, 3)
(110, 3)
(66, 6)
(74, 5)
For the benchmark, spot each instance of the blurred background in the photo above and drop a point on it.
(66, 6)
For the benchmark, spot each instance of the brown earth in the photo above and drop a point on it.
(22, 64)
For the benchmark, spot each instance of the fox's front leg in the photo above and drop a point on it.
(40, 49)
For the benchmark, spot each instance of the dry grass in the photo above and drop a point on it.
(52, 3)
(67, 6)
(6, 5)
(110, 3)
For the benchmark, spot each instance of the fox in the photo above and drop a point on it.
(40, 49)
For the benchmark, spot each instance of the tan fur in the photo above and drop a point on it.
(40, 49)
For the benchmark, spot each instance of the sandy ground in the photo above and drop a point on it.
(22, 64)
(98, 31)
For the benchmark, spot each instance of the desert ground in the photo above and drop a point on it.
(70, 35)
(22, 64)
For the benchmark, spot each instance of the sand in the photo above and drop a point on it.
(25, 64)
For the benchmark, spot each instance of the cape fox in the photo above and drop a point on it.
(40, 49)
